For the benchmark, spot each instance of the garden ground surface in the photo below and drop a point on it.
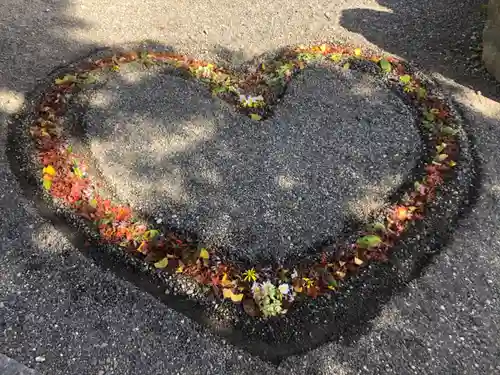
(60, 314)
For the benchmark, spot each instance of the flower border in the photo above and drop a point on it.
(262, 291)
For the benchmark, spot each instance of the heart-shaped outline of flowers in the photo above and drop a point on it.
(267, 293)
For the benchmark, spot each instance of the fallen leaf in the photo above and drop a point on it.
(405, 78)
(255, 117)
(298, 288)
(204, 254)
(346, 66)
(369, 241)
(358, 261)
(442, 157)
(47, 184)
(401, 213)
(385, 65)
(340, 274)
(225, 281)
(49, 169)
(162, 263)
(236, 297)
(227, 293)
(336, 57)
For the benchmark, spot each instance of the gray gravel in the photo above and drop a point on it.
(447, 322)
(8, 366)
(338, 144)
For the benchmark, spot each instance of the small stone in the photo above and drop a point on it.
(40, 359)
(159, 221)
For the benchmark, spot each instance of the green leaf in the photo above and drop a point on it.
(369, 241)
(379, 227)
(422, 93)
(219, 90)
(255, 116)
(47, 184)
(405, 79)
(346, 66)
(150, 234)
(447, 130)
(68, 78)
(161, 263)
(429, 116)
(385, 65)
(93, 203)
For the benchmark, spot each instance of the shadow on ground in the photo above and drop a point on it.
(438, 35)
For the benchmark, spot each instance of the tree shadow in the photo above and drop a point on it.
(437, 35)
(34, 40)
(250, 188)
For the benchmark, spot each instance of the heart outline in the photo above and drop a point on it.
(278, 354)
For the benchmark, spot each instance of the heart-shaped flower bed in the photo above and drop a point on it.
(354, 268)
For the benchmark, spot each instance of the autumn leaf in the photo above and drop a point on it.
(66, 79)
(332, 285)
(442, 157)
(204, 254)
(340, 274)
(336, 57)
(401, 213)
(369, 241)
(143, 247)
(225, 282)
(236, 297)
(357, 261)
(297, 288)
(357, 52)
(49, 169)
(452, 163)
(405, 79)
(162, 263)
(227, 293)
(47, 183)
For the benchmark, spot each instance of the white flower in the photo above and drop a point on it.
(268, 288)
(284, 289)
(294, 274)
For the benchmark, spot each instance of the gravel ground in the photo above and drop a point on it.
(338, 144)
(85, 321)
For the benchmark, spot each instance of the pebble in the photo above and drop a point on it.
(40, 359)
